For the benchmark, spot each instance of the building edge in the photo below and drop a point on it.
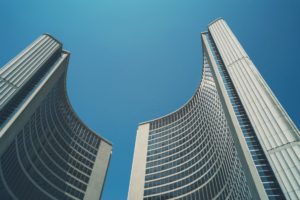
(25, 109)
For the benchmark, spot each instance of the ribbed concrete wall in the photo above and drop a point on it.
(19, 70)
(233, 115)
(46, 152)
(275, 130)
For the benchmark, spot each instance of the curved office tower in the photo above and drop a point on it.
(231, 140)
(46, 152)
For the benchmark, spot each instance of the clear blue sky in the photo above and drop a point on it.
(134, 60)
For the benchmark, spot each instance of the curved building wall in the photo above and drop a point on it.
(191, 153)
(46, 151)
(231, 140)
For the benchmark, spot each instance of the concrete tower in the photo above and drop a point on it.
(46, 152)
(231, 140)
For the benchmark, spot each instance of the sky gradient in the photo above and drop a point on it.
(135, 60)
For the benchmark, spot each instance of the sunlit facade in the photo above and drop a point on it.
(231, 140)
(46, 152)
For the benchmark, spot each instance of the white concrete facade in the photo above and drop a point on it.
(249, 169)
(137, 179)
(97, 180)
(46, 151)
(276, 131)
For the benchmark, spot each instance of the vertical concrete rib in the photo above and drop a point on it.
(137, 179)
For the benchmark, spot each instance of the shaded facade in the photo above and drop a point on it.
(46, 152)
(231, 140)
